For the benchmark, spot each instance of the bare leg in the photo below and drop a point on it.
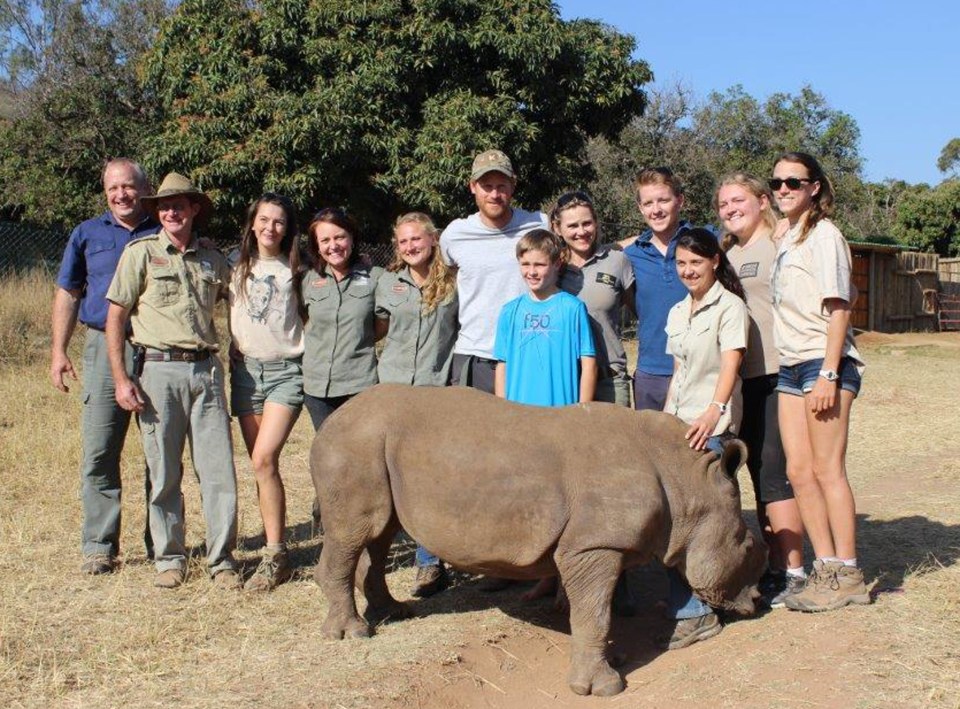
(589, 578)
(787, 532)
(800, 470)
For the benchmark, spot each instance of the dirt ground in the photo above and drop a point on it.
(74, 641)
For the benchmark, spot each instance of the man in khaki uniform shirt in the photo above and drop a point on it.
(166, 287)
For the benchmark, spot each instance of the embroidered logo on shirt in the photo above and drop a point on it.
(400, 288)
(159, 261)
(319, 283)
(607, 279)
(750, 270)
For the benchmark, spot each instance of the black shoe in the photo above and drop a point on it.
(430, 580)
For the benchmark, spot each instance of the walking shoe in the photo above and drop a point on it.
(689, 630)
(96, 564)
(171, 578)
(836, 586)
(273, 570)
(227, 580)
(430, 580)
(791, 585)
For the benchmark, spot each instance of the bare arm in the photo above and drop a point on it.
(500, 380)
(588, 378)
(824, 393)
(127, 392)
(701, 428)
(629, 299)
(624, 243)
(66, 305)
(380, 328)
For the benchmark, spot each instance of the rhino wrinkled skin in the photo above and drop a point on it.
(525, 492)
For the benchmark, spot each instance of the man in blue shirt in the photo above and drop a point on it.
(89, 262)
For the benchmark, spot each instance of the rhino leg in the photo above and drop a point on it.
(372, 581)
(589, 578)
(335, 573)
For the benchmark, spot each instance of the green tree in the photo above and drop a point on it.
(928, 219)
(949, 160)
(68, 69)
(379, 105)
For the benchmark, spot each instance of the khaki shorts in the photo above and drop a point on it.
(254, 382)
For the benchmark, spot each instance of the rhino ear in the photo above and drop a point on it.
(734, 455)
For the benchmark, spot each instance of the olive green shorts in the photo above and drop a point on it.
(254, 382)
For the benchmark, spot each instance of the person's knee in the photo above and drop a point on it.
(265, 465)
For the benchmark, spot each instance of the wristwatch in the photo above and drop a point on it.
(722, 407)
(829, 374)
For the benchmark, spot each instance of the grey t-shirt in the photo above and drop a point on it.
(600, 285)
(488, 275)
(418, 348)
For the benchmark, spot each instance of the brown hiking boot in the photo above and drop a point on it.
(689, 630)
(227, 580)
(273, 570)
(96, 564)
(430, 580)
(833, 585)
(171, 578)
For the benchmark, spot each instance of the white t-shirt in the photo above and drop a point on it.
(488, 275)
(265, 324)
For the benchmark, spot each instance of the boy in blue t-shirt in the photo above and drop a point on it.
(544, 345)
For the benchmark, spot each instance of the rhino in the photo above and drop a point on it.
(525, 492)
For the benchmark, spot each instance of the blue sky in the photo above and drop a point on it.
(893, 66)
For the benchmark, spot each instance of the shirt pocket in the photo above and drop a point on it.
(165, 286)
(209, 287)
(102, 256)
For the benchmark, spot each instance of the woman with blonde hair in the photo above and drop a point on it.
(416, 310)
(745, 207)
(819, 378)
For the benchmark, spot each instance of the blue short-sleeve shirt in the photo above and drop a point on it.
(658, 288)
(90, 260)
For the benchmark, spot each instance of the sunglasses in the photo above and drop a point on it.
(793, 183)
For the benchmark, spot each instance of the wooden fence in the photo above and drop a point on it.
(897, 290)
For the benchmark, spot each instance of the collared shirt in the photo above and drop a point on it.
(338, 356)
(696, 340)
(753, 265)
(804, 276)
(658, 289)
(418, 348)
(488, 274)
(171, 294)
(90, 260)
(600, 283)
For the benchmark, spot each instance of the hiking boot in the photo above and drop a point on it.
(690, 630)
(171, 578)
(792, 585)
(96, 564)
(273, 570)
(430, 580)
(836, 585)
(227, 580)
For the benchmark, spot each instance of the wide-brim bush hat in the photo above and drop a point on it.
(175, 184)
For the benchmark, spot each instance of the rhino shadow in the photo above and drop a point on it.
(892, 549)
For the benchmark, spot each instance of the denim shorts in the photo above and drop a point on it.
(254, 382)
(800, 378)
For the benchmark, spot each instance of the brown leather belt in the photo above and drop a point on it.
(176, 354)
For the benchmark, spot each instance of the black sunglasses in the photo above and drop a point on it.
(575, 196)
(792, 183)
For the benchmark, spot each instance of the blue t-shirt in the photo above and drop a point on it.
(541, 343)
(90, 260)
(658, 289)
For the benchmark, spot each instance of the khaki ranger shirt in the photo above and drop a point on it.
(419, 346)
(696, 341)
(170, 295)
(339, 357)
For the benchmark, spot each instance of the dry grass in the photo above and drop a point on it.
(74, 641)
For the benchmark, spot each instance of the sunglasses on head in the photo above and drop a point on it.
(575, 196)
(793, 183)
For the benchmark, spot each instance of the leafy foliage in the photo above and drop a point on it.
(929, 219)
(949, 160)
(380, 105)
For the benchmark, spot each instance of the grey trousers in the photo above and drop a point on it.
(104, 426)
(185, 402)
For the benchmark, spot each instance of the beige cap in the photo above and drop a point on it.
(176, 184)
(491, 161)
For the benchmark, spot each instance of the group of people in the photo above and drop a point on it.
(747, 335)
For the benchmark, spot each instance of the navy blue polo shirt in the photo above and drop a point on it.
(658, 289)
(90, 260)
